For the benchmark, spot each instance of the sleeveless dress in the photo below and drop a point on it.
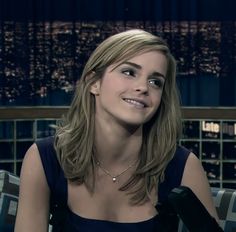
(73, 222)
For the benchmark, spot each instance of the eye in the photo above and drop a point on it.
(129, 72)
(156, 83)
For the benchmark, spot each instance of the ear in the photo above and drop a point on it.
(95, 88)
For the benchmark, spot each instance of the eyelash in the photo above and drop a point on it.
(156, 83)
(130, 71)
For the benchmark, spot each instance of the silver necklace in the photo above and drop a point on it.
(114, 177)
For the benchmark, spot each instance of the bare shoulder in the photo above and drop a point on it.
(32, 171)
(195, 178)
(34, 194)
(194, 175)
(193, 165)
(31, 156)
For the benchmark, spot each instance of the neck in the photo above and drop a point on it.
(115, 145)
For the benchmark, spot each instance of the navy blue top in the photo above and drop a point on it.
(58, 187)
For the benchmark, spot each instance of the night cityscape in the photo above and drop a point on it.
(40, 62)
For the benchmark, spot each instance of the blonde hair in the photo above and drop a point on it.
(74, 139)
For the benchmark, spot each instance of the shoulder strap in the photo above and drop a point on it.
(56, 182)
(173, 173)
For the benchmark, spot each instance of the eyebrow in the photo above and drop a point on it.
(137, 66)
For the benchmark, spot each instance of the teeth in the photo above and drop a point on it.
(136, 103)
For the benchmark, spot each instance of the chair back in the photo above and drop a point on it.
(225, 203)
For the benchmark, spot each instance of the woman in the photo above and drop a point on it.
(116, 146)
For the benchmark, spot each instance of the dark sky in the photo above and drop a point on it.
(157, 10)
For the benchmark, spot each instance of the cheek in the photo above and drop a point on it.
(106, 88)
(114, 86)
(108, 92)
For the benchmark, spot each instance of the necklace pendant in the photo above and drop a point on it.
(114, 179)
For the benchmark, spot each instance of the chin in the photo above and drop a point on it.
(133, 123)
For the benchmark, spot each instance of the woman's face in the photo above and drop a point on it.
(130, 93)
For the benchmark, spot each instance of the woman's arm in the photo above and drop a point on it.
(195, 178)
(33, 207)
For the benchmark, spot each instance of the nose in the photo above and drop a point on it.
(141, 86)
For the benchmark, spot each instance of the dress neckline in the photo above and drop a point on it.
(84, 219)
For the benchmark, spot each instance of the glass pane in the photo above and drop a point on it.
(24, 129)
(21, 148)
(6, 129)
(229, 130)
(6, 150)
(229, 171)
(210, 150)
(192, 146)
(7, 166)
(229, 185)
(190, 129)
(215, 184)
(212, 169)
(45, 128)
(210, 129)
(18, 168)
(229, 150)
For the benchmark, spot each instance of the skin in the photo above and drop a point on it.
(134, 90)
(136, 94)
(127, 96)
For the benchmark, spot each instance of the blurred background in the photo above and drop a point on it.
(45, 44)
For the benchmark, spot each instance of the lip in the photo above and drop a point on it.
(140, 103)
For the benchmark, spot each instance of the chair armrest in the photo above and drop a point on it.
(9, 193)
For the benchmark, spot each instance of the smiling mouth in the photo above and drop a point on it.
(137, 104)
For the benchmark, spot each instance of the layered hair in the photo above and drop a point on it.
(74, 139)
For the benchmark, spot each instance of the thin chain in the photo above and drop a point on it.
(114, 177)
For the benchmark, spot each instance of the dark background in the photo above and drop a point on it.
(29, 40)
(157, 10)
